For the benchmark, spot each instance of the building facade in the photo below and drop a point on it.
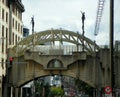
(11, 31)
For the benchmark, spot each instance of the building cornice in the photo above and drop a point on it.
(19, 4)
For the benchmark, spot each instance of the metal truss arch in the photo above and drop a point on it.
(58, 35)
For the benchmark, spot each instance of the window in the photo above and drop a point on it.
(55, 63)
(6, 39)
(2, 63)
(13, 22)
(16, 39)
(20, 15)
(2, 31)
(6, 17)
(13, 9)
(3, 1)
(19, 27)
(2, 39)
(7, 3)
(2, 14)
(16, 25)
(13, 38)
(16, 12)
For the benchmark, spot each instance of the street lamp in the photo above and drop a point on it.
(112, 44)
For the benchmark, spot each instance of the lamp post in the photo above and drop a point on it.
(112, 44)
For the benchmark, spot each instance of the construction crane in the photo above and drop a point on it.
(99, 16)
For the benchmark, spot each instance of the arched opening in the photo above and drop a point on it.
(69, 85)
(55, 63)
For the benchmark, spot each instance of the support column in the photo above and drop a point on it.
(11, 92)
(21, 92)
(18, 92)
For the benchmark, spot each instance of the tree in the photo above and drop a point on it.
(82, 86)
(56, 92)
(39, 86)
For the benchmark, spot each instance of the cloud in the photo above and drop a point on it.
(66, 14)
(102, 39)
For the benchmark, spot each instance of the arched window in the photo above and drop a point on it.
(55, 63)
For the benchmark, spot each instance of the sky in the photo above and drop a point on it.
(66, 14)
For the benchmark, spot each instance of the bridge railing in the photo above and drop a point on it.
(54, 50)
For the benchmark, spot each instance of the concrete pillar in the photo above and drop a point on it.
(11, 92)
(14, 92)
(21, 92)
(18, 92)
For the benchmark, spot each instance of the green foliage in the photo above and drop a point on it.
(48, 91)
(40, 86)
(56, 92)
(82, 86)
